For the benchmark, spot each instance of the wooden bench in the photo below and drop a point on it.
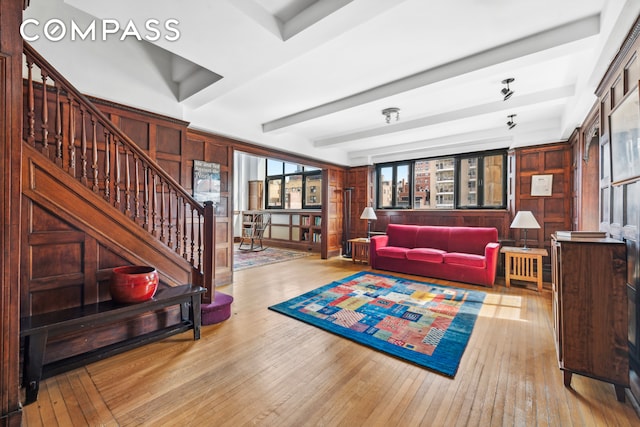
(38, 328)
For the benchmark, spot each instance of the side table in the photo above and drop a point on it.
(360, 249)
(523, 264)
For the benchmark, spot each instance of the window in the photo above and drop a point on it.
(465, 182)
(482, 181)
(293, 186)
(394, 186)
(313, 191)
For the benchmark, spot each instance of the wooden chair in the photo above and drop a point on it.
(252, 236)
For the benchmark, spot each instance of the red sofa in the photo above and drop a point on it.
(462, 254)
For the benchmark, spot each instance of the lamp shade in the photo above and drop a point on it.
(524, 219)
(368, 213)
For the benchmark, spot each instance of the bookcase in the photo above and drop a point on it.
(296, 229)
(311, 228)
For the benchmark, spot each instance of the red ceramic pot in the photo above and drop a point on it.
(133, 283)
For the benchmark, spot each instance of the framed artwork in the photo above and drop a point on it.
(206, 182)
(541, 185)
(625, 138)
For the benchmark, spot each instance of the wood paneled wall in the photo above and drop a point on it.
(450, 218)
(619, 208)
(585, 181)
(10, 195)
(333, 199)
(215, 149)
(553, 212)
(361, 180)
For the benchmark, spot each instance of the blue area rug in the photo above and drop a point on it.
(423, 323)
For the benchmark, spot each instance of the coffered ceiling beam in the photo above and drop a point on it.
(554, 37)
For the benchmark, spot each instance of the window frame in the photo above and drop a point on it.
(394, 180)
(457, 159)
(300, 170)
(480, 179)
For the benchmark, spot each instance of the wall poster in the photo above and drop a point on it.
(206, 182)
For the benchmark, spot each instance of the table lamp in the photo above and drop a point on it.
(525, 220)
(370, 215)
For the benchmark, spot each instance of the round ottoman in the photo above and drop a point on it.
(218, 310)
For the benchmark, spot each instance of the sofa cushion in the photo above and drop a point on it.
(402, 235)
(426, 254)
(392, 252)
(470, 260)
(471, 240)
(433, 237)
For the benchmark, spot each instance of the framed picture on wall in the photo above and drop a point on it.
(625, 138)
(541, 185)
(206, 182)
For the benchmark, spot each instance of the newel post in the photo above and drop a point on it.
(209, 242)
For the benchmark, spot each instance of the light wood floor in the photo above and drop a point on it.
(263, 368)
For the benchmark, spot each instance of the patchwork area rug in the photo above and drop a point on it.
(248, 259)
(423, 323)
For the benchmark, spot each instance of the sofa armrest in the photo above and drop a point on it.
(379, 241)
(491, 252)
(376, 242)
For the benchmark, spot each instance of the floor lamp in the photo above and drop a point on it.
(346, 222)
(525, 220)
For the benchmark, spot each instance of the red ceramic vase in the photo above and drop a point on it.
(133, 283)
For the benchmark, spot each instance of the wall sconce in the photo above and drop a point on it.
(506, 92)
(525, 220)
(370, 215)
(392, 111)
(510, 123)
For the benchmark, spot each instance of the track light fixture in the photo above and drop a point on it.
(392, 111)
(511, 124)
(506, 92)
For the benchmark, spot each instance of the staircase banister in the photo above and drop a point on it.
(106, 122)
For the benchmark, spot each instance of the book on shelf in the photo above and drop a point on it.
(581, 234)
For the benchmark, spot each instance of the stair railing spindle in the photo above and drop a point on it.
(83, 148)
(163, 235)
(31, 113)
(58, 130)
(127, 184)
(45, 115)
(72, 137)
(94, 149)
(136, 197)
(107, 166)
(116, 160)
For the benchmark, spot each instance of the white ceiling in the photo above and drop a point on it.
(312, 76)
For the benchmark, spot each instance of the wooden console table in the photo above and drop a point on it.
(360, 249)
(523, 264)
(38, 328)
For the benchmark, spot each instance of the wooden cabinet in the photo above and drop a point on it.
(590, 309)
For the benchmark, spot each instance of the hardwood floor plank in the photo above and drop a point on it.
(263, 368)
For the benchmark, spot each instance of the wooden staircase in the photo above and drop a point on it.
(92, 200)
